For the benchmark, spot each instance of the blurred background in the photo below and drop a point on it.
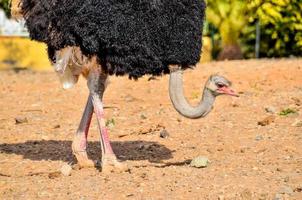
(234, 29)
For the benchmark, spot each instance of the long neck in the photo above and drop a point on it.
(181, 104)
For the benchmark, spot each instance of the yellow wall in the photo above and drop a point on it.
(24, 53)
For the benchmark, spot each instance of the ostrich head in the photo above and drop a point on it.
(215, 86)
(219, 85)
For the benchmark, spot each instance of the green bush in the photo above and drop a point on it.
(280, 26)
(229, 18)
(5, 5)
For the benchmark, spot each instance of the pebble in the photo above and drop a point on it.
(278, 197)
(129, 98)
(270, 109)
(21, 120)
(164, 134)
(298, 189)
(66, 170)
(266, 121)
(297, 101)
(200, 162)
(297, 123)
(286, 179)
(259, 137)
(57, 126)
(286, 190)
(246, 194)
(54, 175)
(220, 197)
(143, 116)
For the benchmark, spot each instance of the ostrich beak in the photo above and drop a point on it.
(228, 91)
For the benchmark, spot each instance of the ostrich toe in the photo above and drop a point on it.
(111, 164)
(79, 151)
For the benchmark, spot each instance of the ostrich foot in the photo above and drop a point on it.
(111, 164)
(79, 151)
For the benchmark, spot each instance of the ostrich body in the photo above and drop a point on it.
(112, 37)
(70, 59)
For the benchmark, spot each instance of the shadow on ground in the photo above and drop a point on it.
(61, 150)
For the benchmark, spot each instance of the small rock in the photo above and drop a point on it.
(143, 116)
(54, 175)
(259, 137)
(219, 149)
(21, 120)
(57, 126)
(286, 179)
(270, 109)
(266, 121)
(246, 194)
(200, 162)
(297, 101)
(297, 123)
(235, 105)
(220, 197)
(164, 134)
(278, 169)
(66, 170)
(145, 146)
(129, 98)
(286, 190)
(278, 197)
(298, 189)
(263, 196)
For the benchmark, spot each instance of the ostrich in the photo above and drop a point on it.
(98, 38)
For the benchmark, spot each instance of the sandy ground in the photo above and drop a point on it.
(247, 160)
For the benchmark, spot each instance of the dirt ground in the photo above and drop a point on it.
(247, 160)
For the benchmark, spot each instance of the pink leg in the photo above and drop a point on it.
(79, 143)
(85, 123)
(96, 84)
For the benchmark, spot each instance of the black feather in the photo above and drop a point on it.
(134, 37)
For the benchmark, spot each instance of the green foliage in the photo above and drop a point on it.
(229, 17)
(287, 111)
(5, 5)
(225, 19)
(110, 123)
(280, 25)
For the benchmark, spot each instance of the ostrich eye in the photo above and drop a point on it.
(220, 85)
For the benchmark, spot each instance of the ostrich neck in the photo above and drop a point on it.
(182, 105)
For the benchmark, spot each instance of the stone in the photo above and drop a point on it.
(266, 121)
(57, 126)
(297, 123)
(297, 101)
(66, 170)
(246, 194)
(129, 98)
(278, 197)
(298, 188)
(200, 162)
(21, 120)
(270, 110)
(259, 137)
(286, 190)
(164, 134)
(142, 116)
(54, 175)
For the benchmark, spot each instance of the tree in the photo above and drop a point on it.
(5, 5)
(229, 17)
(281, 28)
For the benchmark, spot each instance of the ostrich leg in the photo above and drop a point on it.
(79, 143)
(97, 84)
